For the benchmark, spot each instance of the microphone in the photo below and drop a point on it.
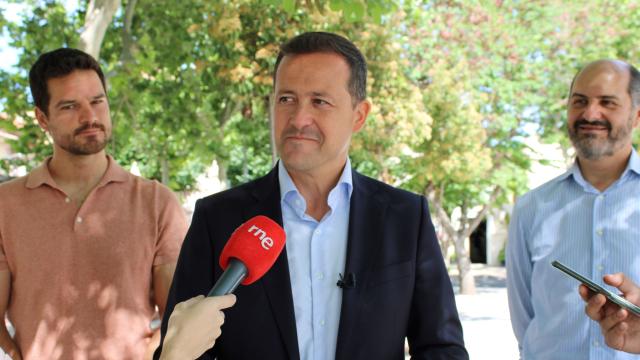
(347, 282)
(249, 253)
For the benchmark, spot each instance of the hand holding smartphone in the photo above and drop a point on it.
(616, 299)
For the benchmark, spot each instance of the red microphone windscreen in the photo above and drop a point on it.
(257, 243)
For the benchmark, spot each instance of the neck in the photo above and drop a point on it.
(315, 187)
(603, 172)
(77, 175)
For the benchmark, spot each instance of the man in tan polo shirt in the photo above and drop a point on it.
(87, 250)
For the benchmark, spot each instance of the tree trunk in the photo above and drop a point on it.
(222, 173)
(459, 237)
(467, 281)
(445, 244)
(96, 21)
(126, 56)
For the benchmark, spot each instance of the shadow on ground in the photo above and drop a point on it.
(483, 281)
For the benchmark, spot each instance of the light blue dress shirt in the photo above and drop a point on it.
(592, 232)
(316, 252)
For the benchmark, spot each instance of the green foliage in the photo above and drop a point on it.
(47, 28)
(456, 86)
(192, 87)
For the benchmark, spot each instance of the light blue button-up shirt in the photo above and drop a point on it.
(592, 232)
(316, 252)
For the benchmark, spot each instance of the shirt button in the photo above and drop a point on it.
(79, 220)
(320, 276)
(600, 197)
(600, 267)
(599, 232)
(318, 232)
(596, 343)
(67, 200)
(321, 322)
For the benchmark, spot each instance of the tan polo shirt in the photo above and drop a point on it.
(81, 277)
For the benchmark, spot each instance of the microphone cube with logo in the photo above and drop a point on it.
(249, 253)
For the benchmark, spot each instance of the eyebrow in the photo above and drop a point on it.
(603, 97)
(312, 93)
(69, 102)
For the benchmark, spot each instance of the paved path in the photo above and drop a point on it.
(485, 316)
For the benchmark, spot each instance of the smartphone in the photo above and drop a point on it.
(614, 298)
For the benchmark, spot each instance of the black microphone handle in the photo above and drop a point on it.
(234, 274)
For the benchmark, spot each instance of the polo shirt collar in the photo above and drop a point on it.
(41, 175)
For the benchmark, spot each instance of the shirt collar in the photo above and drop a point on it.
(41, 175)
(633, 165)
(287, 185)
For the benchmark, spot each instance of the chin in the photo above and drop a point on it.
(297, 163)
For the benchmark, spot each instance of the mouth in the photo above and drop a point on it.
(94, 130)
(299, 138)
(592, 127)
(91, 132)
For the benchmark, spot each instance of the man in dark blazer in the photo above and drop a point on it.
(395, 284)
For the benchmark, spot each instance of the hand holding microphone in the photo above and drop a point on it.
(194, 324)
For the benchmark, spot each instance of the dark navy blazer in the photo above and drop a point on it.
(402, 287)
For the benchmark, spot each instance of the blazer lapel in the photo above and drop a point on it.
(276, 281)
(366, 219)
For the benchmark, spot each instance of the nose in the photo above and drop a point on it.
(592, 111)
(87, 113)
(302, 115)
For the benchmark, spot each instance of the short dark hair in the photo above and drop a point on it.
(634, 85)
(324, 42)
(58, 63)
(634, 82)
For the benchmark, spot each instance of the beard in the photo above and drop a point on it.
(592, 146)
(89, 145)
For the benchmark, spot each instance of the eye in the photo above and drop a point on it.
(320, 102)
(579, 101)
(68, 107)
(608, 103)
(285, 99)
(97, 101)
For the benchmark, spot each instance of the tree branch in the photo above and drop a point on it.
(126, 56)
(97, 19)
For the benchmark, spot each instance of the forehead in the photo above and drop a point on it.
(313, 71)
(78, 83)
(602, 79)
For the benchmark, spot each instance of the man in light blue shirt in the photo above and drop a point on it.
(587, 218)
(361, 270)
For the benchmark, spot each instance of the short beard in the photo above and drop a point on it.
(88, 148)
(591, 147)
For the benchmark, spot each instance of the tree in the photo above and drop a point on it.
(97, 19)
(176, 75)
